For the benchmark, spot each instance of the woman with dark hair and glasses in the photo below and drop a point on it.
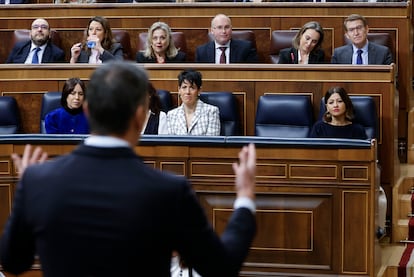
(337, 120)
(306, 46)
(98, 46)
(69, 119)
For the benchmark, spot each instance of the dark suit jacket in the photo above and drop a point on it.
(241, 51)
(103, 212)
(377, 54)
(286, 55)
(20, 51)
(179, 58)
(115, 53)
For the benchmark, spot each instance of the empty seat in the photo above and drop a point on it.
(165, 99)
(240, 35)
(122, 37)
(50, 102)
(284, 115)
(9, 115)
(178, 38)
(365, 113)
(229, 115)
(280, 39)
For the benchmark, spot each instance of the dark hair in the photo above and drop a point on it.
(68, 87)
(349, 108)
(354, 17)
(192, 76)
(108, 39)
(155, 101)
(310, 25)
(115, 91)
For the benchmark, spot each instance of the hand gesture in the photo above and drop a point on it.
(75, 52)
(28, 158)
(245, 172)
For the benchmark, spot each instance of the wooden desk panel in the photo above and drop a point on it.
(305, 223)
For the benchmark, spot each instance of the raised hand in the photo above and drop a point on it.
(28, 158)
(245, 171)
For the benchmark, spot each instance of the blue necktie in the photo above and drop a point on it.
(35, 59)
(359, 57)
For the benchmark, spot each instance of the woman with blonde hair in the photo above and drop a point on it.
(160, 46)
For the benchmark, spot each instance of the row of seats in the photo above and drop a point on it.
(280, 39)
(277, 115)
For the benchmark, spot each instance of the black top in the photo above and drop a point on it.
(290, 56)
(322, 129)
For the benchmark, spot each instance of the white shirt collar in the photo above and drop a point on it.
(219, 45)
(105, 141)
(42, 47)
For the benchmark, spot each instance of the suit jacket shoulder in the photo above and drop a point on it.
(242, 51)
(206, 53)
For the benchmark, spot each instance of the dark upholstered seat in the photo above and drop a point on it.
(280, 39)
(9, 115)
(178, 38)
(24, 34)
(122, 37)
(50, 101)
(165, 99)
(241, 35)
(229, 115)
(365, 113)
(284, 115)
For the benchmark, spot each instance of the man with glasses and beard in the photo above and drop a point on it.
(39, 49)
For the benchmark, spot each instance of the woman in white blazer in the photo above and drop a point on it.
(193, 116)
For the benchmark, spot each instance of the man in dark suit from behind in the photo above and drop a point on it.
(356, 30)
(39, 45)
(235, 51)
(100, 211)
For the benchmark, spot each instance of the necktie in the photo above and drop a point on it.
(359, 57)
(35, 59)
(223, 54)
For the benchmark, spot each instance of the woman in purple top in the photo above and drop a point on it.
(337, 120)
(69, 119)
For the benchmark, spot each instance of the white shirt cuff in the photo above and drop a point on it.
(245, 202)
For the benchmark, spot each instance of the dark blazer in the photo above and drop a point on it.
(290, 56)
(103, 212)
(180, 57)
(241, 51)
(115, 53)
(20, 51)
(377, 54)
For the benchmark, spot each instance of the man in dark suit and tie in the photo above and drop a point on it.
(360, 51)
(39, 49)
(224, 49)
(100, 211)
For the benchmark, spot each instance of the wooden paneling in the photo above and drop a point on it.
(316, 225)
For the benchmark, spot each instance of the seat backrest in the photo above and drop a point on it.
(178, 38)
(229, 115)
(280, 39)
(122, 37)
(284, 115)
(365, 113)
(24, 34)
(240, 35)
(165, 99)
(9, 115)
(50, 101)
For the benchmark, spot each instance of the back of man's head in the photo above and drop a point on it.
(114, 92)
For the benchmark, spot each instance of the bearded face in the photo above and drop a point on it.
(40, 32)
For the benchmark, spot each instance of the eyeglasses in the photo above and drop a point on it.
(43, 27)
(221, 28)
(357, 28)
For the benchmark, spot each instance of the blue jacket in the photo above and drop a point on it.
(60, 121)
